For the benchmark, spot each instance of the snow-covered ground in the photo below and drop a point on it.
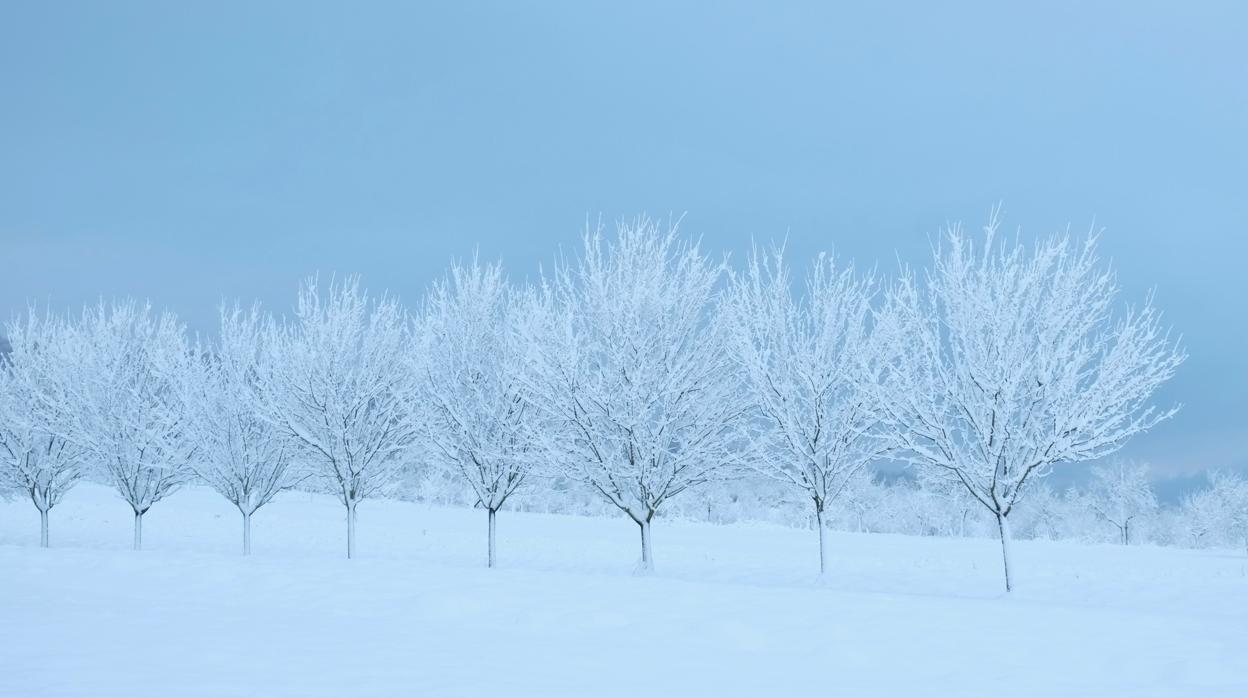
(732, 611)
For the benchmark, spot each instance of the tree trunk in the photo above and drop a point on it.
(351, 530)
(490, 558)
(823, 543)
(1126, 534)
(246, 533)
(647, 557)
(43, 528)
(138, 531)
(1003, 527)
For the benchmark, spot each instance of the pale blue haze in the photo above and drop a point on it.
(186, 151)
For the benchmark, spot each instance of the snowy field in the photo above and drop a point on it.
(732, 611)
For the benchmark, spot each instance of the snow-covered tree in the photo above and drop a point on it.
(339, 382)
(1201, 514)
(238, 452)
(862, 498)
(1217, 515)
(952, 506)
(805, 361)
(36, 457)
(1120, 495)
(1010, 360)
(472, 389)
(906, 508)
(122, 400)
(1045, 513)
(629, 373)
(1231, 491)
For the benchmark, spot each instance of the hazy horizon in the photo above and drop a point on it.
(189, 154)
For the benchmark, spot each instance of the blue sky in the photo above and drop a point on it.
(184, 152)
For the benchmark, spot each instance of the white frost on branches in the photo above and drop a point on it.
(1120, 494)
(807, 365)
(36, 457)
(1010, 360)
(340, 383)
(477, 417)
(239, 453)
(1219, 514)
(123, 401)
(630, 374)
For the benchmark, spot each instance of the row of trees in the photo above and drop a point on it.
(639, 370)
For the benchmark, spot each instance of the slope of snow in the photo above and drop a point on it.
(733, 610)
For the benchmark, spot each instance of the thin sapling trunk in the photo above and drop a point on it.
(247, 532)
(823, 543)
(138, 530)
(351, 530)
(43, 527)
(647, 554)
(1003, 527)
(491, 559)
